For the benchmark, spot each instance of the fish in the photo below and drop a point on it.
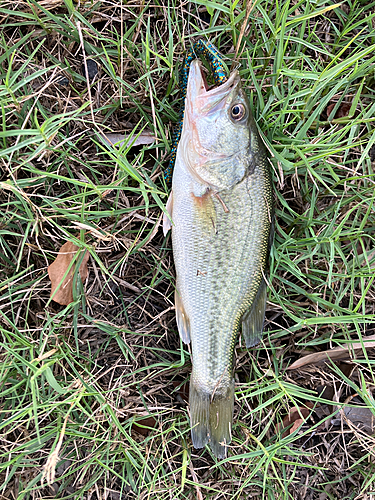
(220, 211)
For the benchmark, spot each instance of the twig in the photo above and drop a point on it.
(226, 209)
(195, 479)
(86, 72)
(49, 471)
(249, 8)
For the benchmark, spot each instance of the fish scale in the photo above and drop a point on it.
(221, 208)
(213, 294)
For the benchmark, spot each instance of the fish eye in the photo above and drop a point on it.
(237, 112)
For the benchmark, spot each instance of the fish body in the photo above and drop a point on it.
(221, 208)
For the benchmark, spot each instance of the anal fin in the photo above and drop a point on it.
(183, 322)
(253, 319)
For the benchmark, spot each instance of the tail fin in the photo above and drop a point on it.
(211, 416)
(221, 416)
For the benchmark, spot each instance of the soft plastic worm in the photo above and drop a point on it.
(214, 58)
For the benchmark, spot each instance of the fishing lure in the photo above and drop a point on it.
(219, 71)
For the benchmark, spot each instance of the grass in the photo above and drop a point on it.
(96, 389)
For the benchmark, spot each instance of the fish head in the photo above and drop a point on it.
(218, 130)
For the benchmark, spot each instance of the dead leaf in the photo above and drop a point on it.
(143, 426)
(62, 288)
(146, 137)
(343, 110)
(44, 356)
(49, 470)
(297, 417)
(333, 354)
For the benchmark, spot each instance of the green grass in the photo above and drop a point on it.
(74, 379)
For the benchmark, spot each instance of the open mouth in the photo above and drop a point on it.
(201, 99)
(228, 85)
(208, 98)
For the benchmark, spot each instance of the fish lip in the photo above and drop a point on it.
(197, 83)
(208, 99)
(233, 80)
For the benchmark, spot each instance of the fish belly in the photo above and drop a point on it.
(220, 246)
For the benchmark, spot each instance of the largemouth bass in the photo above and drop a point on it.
(221, 208)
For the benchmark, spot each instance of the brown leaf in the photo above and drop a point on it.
(143, 426)
(333, 354)
(343, 110)
(46, 4)
(295, 426)
(297, 417)
(145, 137)
(62, 289)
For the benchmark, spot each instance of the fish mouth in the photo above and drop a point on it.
(207, 98)
(206, 104)
(231, 82)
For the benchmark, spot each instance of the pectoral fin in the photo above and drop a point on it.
(183, 322)
(253, 319)
(167, 224)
